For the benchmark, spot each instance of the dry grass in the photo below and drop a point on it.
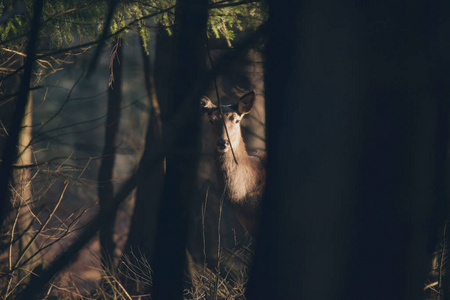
(206, 284)
(133, 278)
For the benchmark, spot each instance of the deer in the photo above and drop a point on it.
(242, 175)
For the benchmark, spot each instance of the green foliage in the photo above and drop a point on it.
(226, 19)
(60, 21)
(66, 22)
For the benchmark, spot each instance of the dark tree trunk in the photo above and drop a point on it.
(142, 232)
(443, 278)
(181, 142)
(162, 68)
(442, 93)
(352, 152)
(105, 174)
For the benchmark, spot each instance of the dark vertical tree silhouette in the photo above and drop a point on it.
(105, 174)
(112, 5)
(141, 236)
(264, 282)
(9, 153)
(351, 132)
(181, 142)
(440, 271)
(162, 73)
(439, 45)
(398, 209)
(443, 278)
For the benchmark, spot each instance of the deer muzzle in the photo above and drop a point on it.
(222, 145)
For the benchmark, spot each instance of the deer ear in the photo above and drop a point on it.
(206, 104)
(245, 104)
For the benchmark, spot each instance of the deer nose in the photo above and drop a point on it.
(222, 144)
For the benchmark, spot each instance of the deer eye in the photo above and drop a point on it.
(231, 118)
(237, 121)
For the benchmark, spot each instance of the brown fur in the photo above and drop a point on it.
(244, 182)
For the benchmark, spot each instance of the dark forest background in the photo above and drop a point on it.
(108, 186)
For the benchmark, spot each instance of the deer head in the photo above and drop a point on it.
(231, 118)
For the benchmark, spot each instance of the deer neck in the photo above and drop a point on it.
(227, 162)
(238, 178)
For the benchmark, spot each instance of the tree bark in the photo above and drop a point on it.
(141, 237)
(352, 152)
(10, 151)
(23, 188)
(105, 174)
(181, 142)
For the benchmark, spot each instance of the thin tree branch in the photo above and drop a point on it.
(104, 36)
(232, 4)
(105, 174)
(218, 101)
(41, 279)
(88, 44)
(41, 229)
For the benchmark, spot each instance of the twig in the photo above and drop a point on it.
(218, 101)
(442, 262)
(104, 36)
(219, 247)
(232, 4)
(203, 228)
(66, 184)
(10, 251)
